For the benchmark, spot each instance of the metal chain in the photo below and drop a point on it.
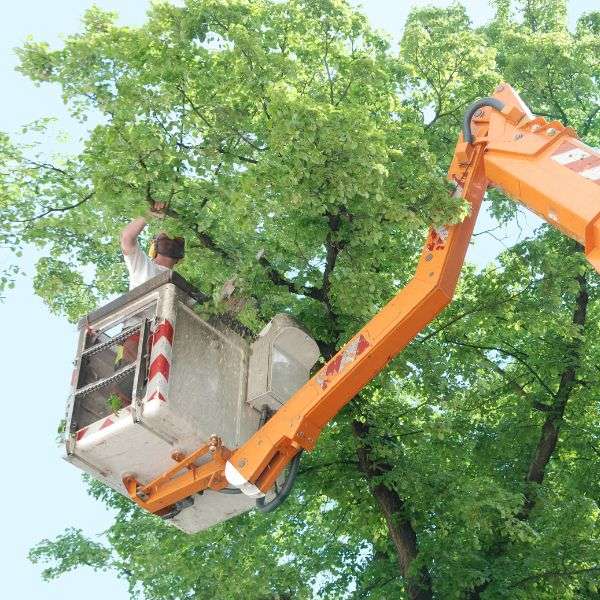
(118, 338)
(92, 387)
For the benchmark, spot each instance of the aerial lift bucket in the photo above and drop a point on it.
(154, 381)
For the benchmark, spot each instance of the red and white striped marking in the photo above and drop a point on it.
(341, 360)
(437, 238)
(583, 161)
(158, 378)
(160, 362)
(103, 423)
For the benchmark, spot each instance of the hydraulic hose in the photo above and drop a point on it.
(493, 102)
(230, 491)
(285, 490)
(178, 507)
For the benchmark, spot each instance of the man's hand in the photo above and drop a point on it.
(158, 210)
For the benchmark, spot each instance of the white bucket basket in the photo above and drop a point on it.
(153, 379)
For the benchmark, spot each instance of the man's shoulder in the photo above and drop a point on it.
(136, 255)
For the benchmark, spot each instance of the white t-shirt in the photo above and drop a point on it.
(141, 267)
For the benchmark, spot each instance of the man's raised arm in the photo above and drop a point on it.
(130, 234)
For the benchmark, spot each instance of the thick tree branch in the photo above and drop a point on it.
(208, 242)
(278, 279)
(551, 427)
(417, 582)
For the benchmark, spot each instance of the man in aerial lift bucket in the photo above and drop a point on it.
(164, 253)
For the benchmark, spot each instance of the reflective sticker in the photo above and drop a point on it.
(564, 158)
(156, 394)
(593, 174)
(160, 362)
(81, 433)
(341, 360)
(103, 423)
(578, 160)
(437, 238)
(160, 365)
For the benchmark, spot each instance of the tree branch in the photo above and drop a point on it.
(47, 166)
(326, 63)
(278, 279)
(588, 122)
(512, 354)
(551, 427)
(205, 120)
(554, 574)
(56, 209)
(275, 276)
(467, 313)
(333, 248)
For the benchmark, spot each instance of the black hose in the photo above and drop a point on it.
(493, 102)
(285, 490)
(229, 491)
(178, 507)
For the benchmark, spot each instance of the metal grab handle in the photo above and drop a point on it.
(96, 385)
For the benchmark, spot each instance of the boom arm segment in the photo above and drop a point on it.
(300, 421)
(541, 164)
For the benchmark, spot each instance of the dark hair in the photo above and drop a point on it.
(171, 247)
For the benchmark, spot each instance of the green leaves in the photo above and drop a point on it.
(63, 290)
(69, 551)
(446, 65)
(245, 117)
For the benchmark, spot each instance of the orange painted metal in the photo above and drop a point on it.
(544, 166)
(181, 481)
(535, 162)
(299, 422)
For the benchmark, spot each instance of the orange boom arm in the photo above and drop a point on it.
(543, 165)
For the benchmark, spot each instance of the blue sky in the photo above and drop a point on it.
(39, 347)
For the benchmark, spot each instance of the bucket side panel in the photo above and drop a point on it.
(208, 382)
(124, 448)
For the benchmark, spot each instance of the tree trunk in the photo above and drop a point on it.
(417, 582)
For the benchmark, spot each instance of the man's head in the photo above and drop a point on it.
(168, 251)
